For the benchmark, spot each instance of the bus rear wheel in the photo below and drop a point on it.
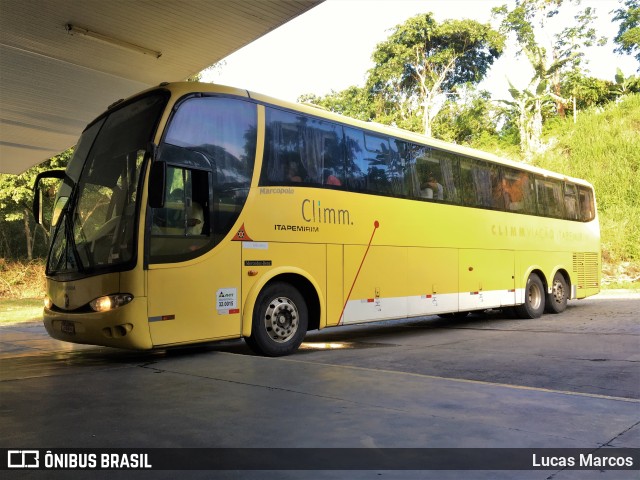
(557, 299)
(279, 321)
(534, 299)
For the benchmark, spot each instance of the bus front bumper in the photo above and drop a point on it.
(123, 327)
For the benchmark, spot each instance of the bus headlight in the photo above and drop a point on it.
(109, 302)
(48, 303)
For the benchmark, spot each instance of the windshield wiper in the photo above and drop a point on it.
(71, 244)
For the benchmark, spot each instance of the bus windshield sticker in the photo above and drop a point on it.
(227, 301)
(256, 245)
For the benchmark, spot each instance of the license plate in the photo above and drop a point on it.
(68, 327)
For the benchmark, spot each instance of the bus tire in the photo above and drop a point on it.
(279, 321)
(534, 299)
(557, 299)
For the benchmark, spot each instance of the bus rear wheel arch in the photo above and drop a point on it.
(556, 299)
(534, 298)
(280, 320)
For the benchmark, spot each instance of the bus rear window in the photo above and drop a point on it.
(587, 206)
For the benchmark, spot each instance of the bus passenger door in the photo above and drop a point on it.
(486, 279)
(196, 301)
(193, 291)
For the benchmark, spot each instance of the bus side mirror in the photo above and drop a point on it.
(157, 184)
(37, 192)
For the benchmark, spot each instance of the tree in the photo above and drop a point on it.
(211, 71)
(353, 102)
(16, 198)
(551, 61)
(422, 62)
(625, 85)
(467, 118)
(628, 37)
(526, 108)
(587, 91)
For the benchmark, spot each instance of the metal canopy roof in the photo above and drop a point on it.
(54, 79)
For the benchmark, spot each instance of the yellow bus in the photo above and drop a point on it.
(197, 212)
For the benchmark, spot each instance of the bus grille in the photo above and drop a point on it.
(586, 268)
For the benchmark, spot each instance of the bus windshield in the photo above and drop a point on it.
(96, 228)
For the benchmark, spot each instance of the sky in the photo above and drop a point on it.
(330, 46)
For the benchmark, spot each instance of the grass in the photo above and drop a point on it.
(631, 286)
(22, 287)
(20, 310)
(21, 279)
(602, 147)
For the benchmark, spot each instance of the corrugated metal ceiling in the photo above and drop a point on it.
(53, 83)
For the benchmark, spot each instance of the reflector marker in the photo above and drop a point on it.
(162, 318)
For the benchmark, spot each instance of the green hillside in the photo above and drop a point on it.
(603, 147)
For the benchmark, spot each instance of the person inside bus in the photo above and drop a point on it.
(195, 219)
(293, 172)
(432, 189)
(513, 192)
(330, 178)
(168, 218)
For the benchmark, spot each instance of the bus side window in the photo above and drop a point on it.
(332, 156)
(481, 184)
(438, 175)
(550, 197)
(377, 160)
(517, 190)
(571, 209)
(182, 226)
(301, 149)
(587, 207)
(356, 167)
(410, 154)
(396, 170)
(387, 165)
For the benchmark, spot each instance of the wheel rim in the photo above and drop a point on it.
(535, 296)
(558, 291)
(281, 319)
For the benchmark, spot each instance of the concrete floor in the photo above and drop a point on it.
(567, 381)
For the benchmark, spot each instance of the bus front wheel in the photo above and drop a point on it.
(557, 299)
(279, 320)
(534, 299)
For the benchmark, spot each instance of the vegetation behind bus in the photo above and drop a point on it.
(603, 147)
